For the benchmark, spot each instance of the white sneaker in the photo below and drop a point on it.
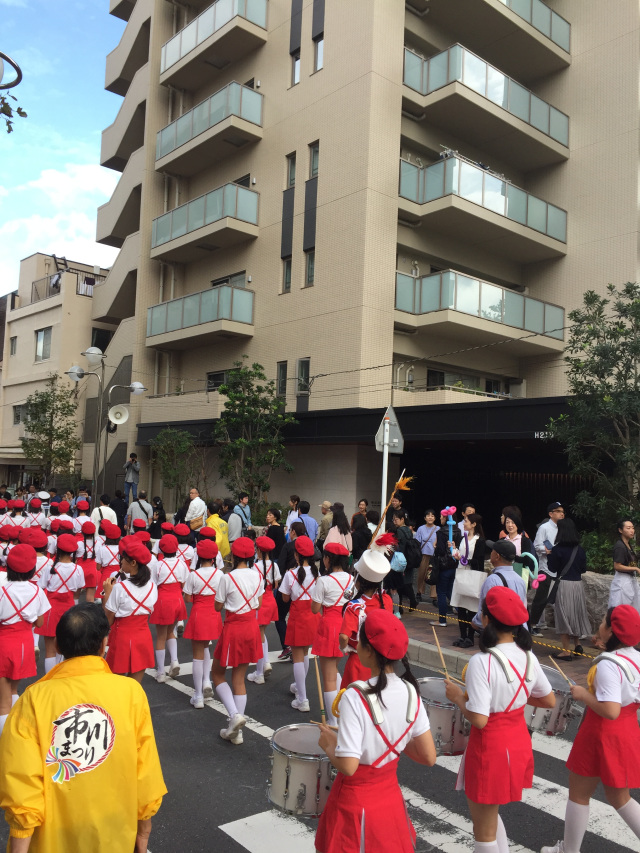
(301, 706)
(235, 724)
(161, 677)
(257, 679)
(557, 848)
(180, 628)
(237, 738)
(197, 701)
(207, 690)
(293, 689)
(267, 671)
(174, 669)
(36, 650)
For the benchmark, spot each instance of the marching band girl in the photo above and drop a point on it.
(205, 622)
(87, 558)
(379, 720)
(329, 595)
(210, 534)
(63, 511)
(35, 515)
(9, 535)
(185, 551)
(107, 553)
(240, 593)
(607, 746)
(39, 540)
(21, 605)
(169, 576)
(83, 516)
(18, 515)
(270, 576)
(498, 761)
(302, 626)
(4, 513)
(128, 602)
(59, 581)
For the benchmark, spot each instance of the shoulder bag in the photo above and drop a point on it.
(551, 599)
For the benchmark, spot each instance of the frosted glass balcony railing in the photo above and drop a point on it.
(454, 176)
(218, 303)
(207, 23)
(459, 64)
(233, 100)
(229, 200)
(453, 290)
(546, 21)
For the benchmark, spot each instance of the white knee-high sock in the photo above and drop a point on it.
(328, 703)
(3, 720)
(241, 702)
(36, 640)
(226, 697)
(206, 678)
(576, 819)
(299, 675)
(306, 665)
(501, 837)
(198, 671)
(160, 660)
(630, 814)
(260, 667)
(14, 699)
(172, 648)
(59, 658)
(49, 664)
(486, 847)
(338, 681)
(265, 653)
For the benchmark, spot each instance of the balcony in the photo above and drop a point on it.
(225, 32)
(180, 406)
(224, 217)
(120, 216)
(462, 200)
(121, 8)
(53, 285)
(453, 303)
(132, 52)
(525, 38)
(126, 134)
(221, 124)
(115, 297)
(465, 95)
(224, 311)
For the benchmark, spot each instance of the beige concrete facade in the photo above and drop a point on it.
(539, 122)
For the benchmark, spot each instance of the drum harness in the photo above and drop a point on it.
(619, 660)
(372, 704)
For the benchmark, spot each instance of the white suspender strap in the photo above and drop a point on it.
(504, 662)
(372, 701)
(624, 666)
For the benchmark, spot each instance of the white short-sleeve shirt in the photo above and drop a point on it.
(28, 598)
(37, 519)
(203, 581)
(218, 562)
(168, 570)
(137, 601)
(612, 685)
(330, 590)
(185, 553)
(42, 561)
(290, 585)
(68, 577)
(244, 599)
(272, 571)
(357, 735)
(107, 555)
(488, 688)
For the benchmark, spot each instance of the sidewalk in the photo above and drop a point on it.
(423, 650)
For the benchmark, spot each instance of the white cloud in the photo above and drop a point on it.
(70, 187)
(32, 61)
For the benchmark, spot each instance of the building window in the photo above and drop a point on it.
(215, 380)
(310, 268)
(291, 170)
(314, 159)
(435, 378)
(18, 415)
(101, 338)
(304, 372)
(43, 344)
(13, 345)
(236, 279)
(286, 275)
(281, 381)
(493, 386)
(295, 68)
(318, 62)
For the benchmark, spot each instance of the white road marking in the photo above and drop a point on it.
(554, 747)
(272, 832)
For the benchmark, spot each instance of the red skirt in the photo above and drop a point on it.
(170, 606)
(608, 749)
(130, 645)
(205, 622)
(60, 602)
(354, 670)
(302, 625)
(240, 641)
(91, 576)
(104, 574)
(366, 811)
(498, 762)
(327, 641)
(268, 612)
(17, 657)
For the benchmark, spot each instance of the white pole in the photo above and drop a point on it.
(385, 466)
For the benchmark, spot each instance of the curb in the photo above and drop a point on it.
(426, 654)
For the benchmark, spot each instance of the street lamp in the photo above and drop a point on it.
(136, 388)
(95, 357)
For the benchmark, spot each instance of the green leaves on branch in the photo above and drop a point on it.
(7, 110)
(172, 455)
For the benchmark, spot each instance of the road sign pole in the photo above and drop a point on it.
(385, 464)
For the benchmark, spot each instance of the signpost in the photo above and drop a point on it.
(389, 439)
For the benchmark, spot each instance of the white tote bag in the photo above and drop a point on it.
(466, 588)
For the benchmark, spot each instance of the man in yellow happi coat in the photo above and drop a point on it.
(79, 767)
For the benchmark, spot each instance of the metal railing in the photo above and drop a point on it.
(234, 99)
(51, 285)
(461, 389)
(456, 176)
(224, 302)
(544, 19)
(454, 290)
(461, 65)
(228, 200)
(209, 22)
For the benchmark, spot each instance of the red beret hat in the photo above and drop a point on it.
(55, 522)
(505, 605)
(38, 538)
(133, 547)
(207, 533)
(65, 524)
(3, 503)
(386, 633)
(25, 535)
(168, 544)
(112, 531)
(63, 506)
(243, 547)
(304, 546)
(266, 544)
(35, 503)
(88, 528)
(18, 504)
(143, 535)
(81, 505)
(140, 524)
(336, 548)
(22, 558)
(182, 530)
(67, 543)
(625, 624)
(166, 526)
(11, 503)
(4, 533)
(207, 549)
(12, 531)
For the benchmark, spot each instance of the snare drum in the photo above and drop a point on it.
(301, 773)
(552, 721)
(450, 729)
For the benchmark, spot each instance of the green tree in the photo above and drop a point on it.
(7, 110)
(601, 431)
(172, 452)
(50, 440)
(249, 431)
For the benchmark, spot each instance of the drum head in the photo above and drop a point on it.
(301, 739)
(557, 682)
(433, 691)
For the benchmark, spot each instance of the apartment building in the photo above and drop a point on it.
(380, 202)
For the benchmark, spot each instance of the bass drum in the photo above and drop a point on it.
(450, 729)
(552, 721)
(301, 773)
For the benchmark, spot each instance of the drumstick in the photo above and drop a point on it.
(566, 678)
(323, 713)
(450, 677)
(316, 723)
(444, 666)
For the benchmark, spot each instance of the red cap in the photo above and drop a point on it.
(336, 548)
(3, 503)
(111, 531)
(182, 530)
(81, 505)
(4, 533)
(25, 535)
(266, 544)
(133, 547)
(139, 524)
(243, 547)
(10, 503)
(18, 504)
(207, 533)
(168, 544)
(625, 624)
(22, 558)
(38, 538)
(67, 543)
(167, 527)
(304, 546)
(505, 605)
(207, 549)
(143, 535)
(13, 532)
(65, 525)
(63, 506)
(386, 634)
(35, 503)
(88, 528)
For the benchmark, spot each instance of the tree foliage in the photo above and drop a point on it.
(601, 431)
(249, 431)
(172, 456)
(50, 440)
(8, 111)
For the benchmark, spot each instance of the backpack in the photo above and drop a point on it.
(413, 554)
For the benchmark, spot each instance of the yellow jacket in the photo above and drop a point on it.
(79, 761)
(222, 534)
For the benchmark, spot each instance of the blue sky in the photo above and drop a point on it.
(51, 182)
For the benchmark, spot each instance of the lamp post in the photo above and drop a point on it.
(95, 357)
(136, 388)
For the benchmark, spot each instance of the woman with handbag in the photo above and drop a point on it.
(426, 536)
(469, 577)
(444, 566)
(569, 561)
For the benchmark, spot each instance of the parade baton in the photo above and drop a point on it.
(444, 666)
(566, 678)
(450, 511)
(402, 485)
(323, 713)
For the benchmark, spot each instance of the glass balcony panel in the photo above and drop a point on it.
(251, 106)
(438, 72)
(470, 182)
(224, 12)
(190, 310)
(209, 305)
(218, 107)
(537, 214)
(430, 293)
(513, 309)
(256, 11)
(163, 229)
(183, 129)
(456, 54)
(448, 289)
(196, 213)
(229, 205)
(494, 194)
(172, 51)
(491, 302)
(247, 206)
(516, 204)
(475, 73)
(541, 17)
(201, 118)
(166, 141)
(467, 295)
(189, 37)
(533, 315)
(405, 288)
(205, 24)
(241, 305)
(540, 114)
(557, 223)
(522, 8)
(213, 206)
(519, 100)
(234, 93)
(497, 87)
(174, 315)
(159, 319)
(554, 321)
(178, 221)
(224, 303)
(561, 32)
(409, 180)
(413, 70)
(451, 175)
(559, 126)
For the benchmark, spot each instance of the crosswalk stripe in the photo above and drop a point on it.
(554, 747)
(271, 832)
